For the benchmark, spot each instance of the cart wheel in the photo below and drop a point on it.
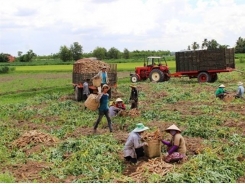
(214, 78)
(134, 78)
(203, 77)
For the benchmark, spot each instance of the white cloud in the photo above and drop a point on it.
(133, 24)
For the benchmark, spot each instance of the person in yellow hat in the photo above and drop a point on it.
(133, 148)
(176, 150)
(240, 90)
(221, 92)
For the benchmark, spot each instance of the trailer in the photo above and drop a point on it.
(79, 77)
(204, 64)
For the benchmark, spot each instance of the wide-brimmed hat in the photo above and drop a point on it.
(140, 128)
(105, 86)
(119, 100)
(222, 86)
(173, 127)
(239, 83)
(133, 86)
(104, 67)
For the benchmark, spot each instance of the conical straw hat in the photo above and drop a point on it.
(172, 127)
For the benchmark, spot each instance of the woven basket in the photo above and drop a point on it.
(153, 149)
(91, 103)
(97, 82)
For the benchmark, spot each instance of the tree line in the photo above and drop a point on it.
(75, 52)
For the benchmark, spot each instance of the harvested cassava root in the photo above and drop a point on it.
(132, 113)
(152, 135)
(34, 137)
(155, 165)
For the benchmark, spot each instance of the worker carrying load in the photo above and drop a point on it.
(176, 150)
(103, 76)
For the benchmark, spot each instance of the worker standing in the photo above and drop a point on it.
(103, 76)
(134, 97)
(103, 99)
(86, 89)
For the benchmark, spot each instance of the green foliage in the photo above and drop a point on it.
(126, 53)
(6, 178)
(28, 57)
(76, 50)
(113, 53)
(240, 45)
(3, 57)
(65, 53)
(100, 53)
(92, 158)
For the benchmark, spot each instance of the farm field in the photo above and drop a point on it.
(46, 136)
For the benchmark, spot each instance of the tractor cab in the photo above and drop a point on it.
(154, 61)
(152, 69)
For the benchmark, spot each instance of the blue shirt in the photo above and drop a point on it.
(103, 78)
(104, 102)
(240, 91)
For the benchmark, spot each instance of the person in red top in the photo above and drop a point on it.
(120, 104)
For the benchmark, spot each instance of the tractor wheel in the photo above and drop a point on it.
(203, 77)
(134, 78)
(156, 75)
(214, 78)
(166, 76)
(78, 93)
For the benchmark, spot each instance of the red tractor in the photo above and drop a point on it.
(153, 69)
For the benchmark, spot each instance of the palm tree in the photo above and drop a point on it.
(205, 43)
(213, 44)
(195, 46)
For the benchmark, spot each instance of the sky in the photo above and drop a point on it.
(45, 25)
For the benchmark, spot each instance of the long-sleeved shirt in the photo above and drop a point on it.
(103, 76)
(113, 111)
(219, 91)
(240, 91)
(133, 142)
(121, 106)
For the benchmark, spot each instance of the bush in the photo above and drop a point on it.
(6, 69)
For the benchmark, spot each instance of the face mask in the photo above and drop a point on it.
(172, 132)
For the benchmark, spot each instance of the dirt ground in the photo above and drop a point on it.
(30, 170)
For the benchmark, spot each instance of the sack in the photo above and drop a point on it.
(153, 149)
(91, 102)
(174, 157)
(97, 82)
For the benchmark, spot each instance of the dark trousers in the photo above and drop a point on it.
(221, 96)
(101, 114)
(139, 153)
(134, 104)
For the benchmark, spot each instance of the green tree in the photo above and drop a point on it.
(4, 57)
(126, 54)
(65, 54)
(240, 45)
(195, 46)
(76, 50)
(113, 53)
(213, 44)
(205, 43)
(27, 57)
(189, 47)
(100, 53)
